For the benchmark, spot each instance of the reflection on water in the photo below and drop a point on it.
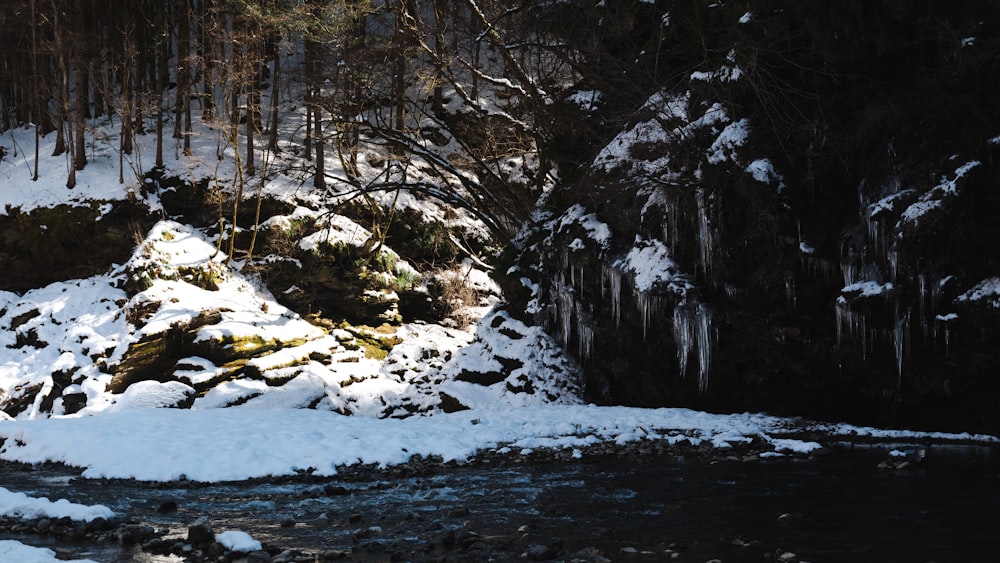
(832, 508)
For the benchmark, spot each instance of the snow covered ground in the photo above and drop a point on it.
(234, 444)
(11, 550)
(20, 505)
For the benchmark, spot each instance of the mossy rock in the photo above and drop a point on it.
(46, 244)
(155, 356)
(228, 348)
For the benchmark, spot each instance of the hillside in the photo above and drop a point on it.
(436, 206)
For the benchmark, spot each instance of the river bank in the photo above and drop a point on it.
(651, 501)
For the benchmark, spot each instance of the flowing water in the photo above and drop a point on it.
(835, 507)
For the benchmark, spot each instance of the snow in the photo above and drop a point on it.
(596, 230)
(21, 505)
(233, 444)
(867, 288)
(235, 540)
(726, 73)
(586, 100)
(650, 264)
(935, 197)
(987, 291)
(732, 137)
(762, 170)
(12, 551)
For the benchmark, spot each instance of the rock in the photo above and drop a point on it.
(258, 557)
(73, 402)
(354, 518)
(467, 537)
(335, 490)
(447, 538)
(459, 512)
(43, 525)
(167, 507)
(132, 533)
(286, 556)
(78, 530)
(787, 556)
(200, 532)
(589, 555)
(540, 552)
(98, 524)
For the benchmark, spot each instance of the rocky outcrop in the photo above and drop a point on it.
(45, 244)
(803, 225)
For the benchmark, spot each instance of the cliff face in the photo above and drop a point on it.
(802, 216)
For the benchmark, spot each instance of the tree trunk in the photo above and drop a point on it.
(81, 104)
(182, 105)
(159, 67)
(208, 28)
(272, 139)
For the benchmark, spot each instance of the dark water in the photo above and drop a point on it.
(836, 507)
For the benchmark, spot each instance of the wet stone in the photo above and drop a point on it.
(200, 532)
(335, 490)
(541, 552)
(286, 556)
(167, 507)
(258, 557)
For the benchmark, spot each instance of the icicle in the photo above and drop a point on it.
(564, 305)
(899, 335)
(945, 321)
(873, 233)
(850, 270)
(706, 244)
(614, 287)
(672, 213)
(851, 325)
(647, 304)
(840, 308)
(704, 320)
(790, 288)
(683, 336)
(585, 336)
(922, 295)
(893, 265)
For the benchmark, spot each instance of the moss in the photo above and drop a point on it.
(207, 276)
(375, 347)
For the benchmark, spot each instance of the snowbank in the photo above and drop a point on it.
(22, 506)
(233, 444)
(16, 551)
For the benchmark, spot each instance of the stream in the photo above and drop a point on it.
(942, 505)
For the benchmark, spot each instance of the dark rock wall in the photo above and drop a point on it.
(800, 214)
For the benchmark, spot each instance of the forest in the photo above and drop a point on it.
(355, 68)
